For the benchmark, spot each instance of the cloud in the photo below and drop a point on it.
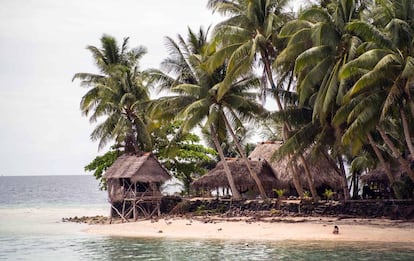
(42, 45)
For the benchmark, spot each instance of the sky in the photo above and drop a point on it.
(43, 44)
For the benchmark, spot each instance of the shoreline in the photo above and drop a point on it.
(296, 229)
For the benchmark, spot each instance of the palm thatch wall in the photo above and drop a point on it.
(217, 177)
(322, 172)
(379, 175)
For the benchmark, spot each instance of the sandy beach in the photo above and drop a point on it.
(301, 229)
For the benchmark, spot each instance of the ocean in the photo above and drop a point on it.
(31, 228)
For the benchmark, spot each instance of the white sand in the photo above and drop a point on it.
(310, 229)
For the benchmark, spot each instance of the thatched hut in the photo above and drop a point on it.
(324, 176)
(216, 178)
(134, 185)
(377, 184)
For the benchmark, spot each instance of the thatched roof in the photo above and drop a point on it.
(379, 175)
(145, 168)
(217, 176)
(321, 171)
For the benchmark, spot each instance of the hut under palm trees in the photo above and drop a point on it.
(134, 183)
(376, 184)
(323, 174)
(216, 178)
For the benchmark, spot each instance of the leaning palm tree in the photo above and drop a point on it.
(384, 74)
(118, 94)
(196, 100)
(318, 45)
(252, 30)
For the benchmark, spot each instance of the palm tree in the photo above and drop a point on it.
(197, 99)
(118, 93)
(251, 30)
(318, 46)
(386, 68)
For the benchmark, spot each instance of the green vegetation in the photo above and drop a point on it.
(100, 164)
(328, 194)
(279, 192)
(341, 73)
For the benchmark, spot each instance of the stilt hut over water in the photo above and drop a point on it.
(134, 183)
(217, 178)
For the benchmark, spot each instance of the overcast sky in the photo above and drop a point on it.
(42, 45)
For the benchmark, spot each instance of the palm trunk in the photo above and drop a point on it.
(355, 185)
(246, 161)
(410, 99)
(309, 178)
(381, 159)
(295, 171)
(407, 132)
(341, 172)
(268, 70)
(396, 153)
(295, 175)
(296, 179)
(343, 179)
(234, 191)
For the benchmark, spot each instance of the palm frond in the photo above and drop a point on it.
(311, 57)
(369, 33)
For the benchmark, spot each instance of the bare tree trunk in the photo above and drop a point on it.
(397, 154)
(410, 99)
(309, 178)
(234, 191)
(295, 173)
(407, 132)
(341, 172)
(343, 179)
(296, 179)
(268, 70)
(246, 161)
(355, 185)
(381, 159)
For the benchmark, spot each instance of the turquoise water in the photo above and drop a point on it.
(31, 229)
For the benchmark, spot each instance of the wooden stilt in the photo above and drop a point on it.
(123, 208)
(135, 210)
(116, 210)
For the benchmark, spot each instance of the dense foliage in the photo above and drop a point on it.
(341, 73)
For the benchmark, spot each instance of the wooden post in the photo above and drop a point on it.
(135, 210)
(116, 210)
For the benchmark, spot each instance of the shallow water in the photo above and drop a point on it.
(31, 229)
(86, 247)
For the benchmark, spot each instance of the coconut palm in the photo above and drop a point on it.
(318, 45)
(250, 30)
(118, 94)
(196, 100)
(384, 74)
